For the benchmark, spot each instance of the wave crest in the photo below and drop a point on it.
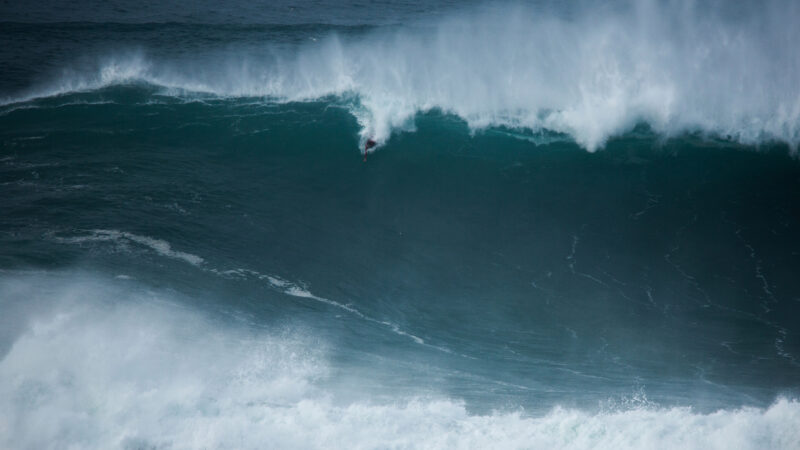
(593, 72)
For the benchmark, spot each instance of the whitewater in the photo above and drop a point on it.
(588, 72)
(578, 228)
(104, 364)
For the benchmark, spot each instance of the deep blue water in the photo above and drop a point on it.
(578, 229)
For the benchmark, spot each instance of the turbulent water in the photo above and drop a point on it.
(579, 228)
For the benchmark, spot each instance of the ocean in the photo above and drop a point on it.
(579, 226)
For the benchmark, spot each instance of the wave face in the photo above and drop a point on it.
(194, 253)
(588, 71)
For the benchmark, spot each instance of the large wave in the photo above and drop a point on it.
(590, 71)
(96, 363)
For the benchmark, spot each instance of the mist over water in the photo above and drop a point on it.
(579, 228)
(589, 71)
(103, 363)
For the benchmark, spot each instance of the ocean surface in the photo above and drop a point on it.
(579, 228)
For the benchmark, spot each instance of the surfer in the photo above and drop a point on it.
(368, 145)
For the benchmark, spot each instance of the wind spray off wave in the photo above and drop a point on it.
(194, 255)
(589, 72)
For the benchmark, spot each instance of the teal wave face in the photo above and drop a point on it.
(575, 218)
(626, 267)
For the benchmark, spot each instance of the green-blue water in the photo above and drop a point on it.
(545, 249)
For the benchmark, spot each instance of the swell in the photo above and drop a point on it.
(486, 228)
(197, 32)
(591, 73)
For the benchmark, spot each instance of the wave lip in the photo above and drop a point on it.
(593, 73)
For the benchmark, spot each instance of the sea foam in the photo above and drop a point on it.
(101, 363)
(593, 71)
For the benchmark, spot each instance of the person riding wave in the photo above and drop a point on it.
(368, 145)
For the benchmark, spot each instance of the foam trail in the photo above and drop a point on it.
(164, 249)
(294, 290)
(101, 365)
(160, 246)
(592, 72)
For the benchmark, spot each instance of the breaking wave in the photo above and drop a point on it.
(590, 72)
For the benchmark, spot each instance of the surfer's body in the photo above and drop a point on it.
(368, 145)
